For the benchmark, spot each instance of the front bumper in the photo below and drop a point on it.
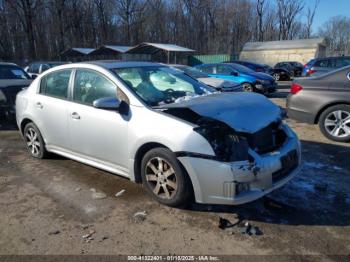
(216, 182)
(266, 87)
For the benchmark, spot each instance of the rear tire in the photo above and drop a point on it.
(165, 179)
(334, 123)
(34, 141)
(276, 76)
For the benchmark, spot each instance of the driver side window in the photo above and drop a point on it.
(223, 70)
(90, 86)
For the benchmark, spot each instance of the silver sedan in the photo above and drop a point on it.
(157, 126)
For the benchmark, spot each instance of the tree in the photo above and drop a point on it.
(310, 18)
(288, 10)
(337, 33)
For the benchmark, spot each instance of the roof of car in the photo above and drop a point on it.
(122, 64)
(8, 64)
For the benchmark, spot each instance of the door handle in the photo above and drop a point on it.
(39, 105)
(75, 115)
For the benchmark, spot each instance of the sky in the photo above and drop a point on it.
(327, 9)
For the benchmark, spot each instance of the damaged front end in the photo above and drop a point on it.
(249, 161)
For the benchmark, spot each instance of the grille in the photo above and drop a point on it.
(267, 139)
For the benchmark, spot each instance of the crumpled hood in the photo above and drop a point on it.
(217, 82)
(244, 112)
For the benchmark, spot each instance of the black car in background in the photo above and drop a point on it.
(36, 68)
(279, 74)
(12, 80)
(295, 68)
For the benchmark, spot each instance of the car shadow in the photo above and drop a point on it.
(318, 195)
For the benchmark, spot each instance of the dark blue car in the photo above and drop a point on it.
(250, 80)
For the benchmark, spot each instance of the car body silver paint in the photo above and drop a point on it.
(106, 140)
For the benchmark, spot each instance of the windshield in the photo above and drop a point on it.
(242, 69)
(157, 85)
(12, 72)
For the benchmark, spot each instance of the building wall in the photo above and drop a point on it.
(271, 57)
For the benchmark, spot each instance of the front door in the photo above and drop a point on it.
(97, 134)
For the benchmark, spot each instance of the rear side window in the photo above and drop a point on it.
(207, 69)
(322, 63)
(90, 86)
(224, 70)
(34, 68)
(56, 84)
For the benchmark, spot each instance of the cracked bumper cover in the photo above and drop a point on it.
(214, 182)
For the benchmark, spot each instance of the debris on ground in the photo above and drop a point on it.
(88, 237)
(121, 192)
(98, 195)
(85, 226)
(77, 189)
(54, 232)
(140, 216)
(240, 227)
(93, 190)
(103, 238)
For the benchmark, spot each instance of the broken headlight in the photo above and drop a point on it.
(227, 145)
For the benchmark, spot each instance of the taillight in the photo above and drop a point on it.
(295, 88)
(311, 72)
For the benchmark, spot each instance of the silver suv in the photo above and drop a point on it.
(156, 125)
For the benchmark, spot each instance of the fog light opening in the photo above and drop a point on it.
(241, 188)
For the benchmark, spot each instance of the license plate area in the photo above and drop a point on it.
(289, 163)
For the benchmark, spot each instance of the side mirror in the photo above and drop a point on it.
(108, 103)
(33, 76)
(234, 73)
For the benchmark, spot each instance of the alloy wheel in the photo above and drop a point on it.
(276, 76)
(161, 177)
(337, 123)
(33, 142)
(247, 87)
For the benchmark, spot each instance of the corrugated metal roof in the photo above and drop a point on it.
(284, 44)
(110, 50)
(151, 48)
(82, 50)
(119, 48)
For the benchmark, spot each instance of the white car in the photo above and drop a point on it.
(156, 125)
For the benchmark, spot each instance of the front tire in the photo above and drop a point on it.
(334, 123)
(247, 87)
(34, 141)
(165, 179)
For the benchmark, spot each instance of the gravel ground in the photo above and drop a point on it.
(50, 207)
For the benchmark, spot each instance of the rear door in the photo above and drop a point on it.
(97, 134)
(51, 105)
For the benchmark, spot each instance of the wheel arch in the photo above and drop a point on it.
(317, 118)
(24, 122)
(141, 151)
